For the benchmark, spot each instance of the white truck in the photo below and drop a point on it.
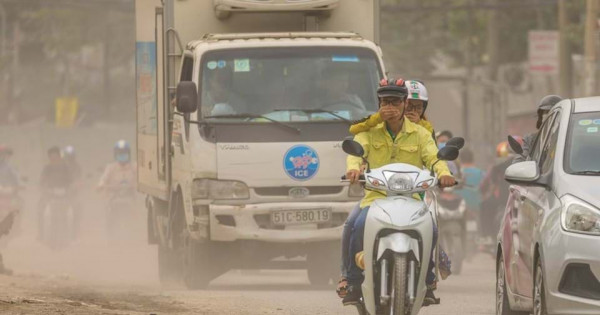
(241, 109)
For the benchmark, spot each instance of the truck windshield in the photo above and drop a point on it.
(581, 157)
(289, 84)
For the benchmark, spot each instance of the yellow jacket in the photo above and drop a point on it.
(375, 120)
(413, 145)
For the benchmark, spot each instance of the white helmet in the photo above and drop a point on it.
(418, 91)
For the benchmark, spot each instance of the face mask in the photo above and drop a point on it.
(441, 145)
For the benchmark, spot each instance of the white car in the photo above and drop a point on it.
(549, 241)
(223, 8)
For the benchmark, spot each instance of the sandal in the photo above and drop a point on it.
(342, 288)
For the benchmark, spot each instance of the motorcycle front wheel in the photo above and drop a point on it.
(399, 285)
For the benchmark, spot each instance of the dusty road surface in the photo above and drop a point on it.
(96, 276)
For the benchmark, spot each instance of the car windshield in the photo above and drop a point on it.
(289, 84)
(581, 157)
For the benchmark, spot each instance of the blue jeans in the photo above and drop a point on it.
(346, 239)
(355, 274)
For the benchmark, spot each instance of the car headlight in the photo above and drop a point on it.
(400, 182)
(219, 189)
(580, 217)
(356, 190)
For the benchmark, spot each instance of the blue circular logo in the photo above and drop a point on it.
(301, 162)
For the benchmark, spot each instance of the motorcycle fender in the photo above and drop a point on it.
(398, 243)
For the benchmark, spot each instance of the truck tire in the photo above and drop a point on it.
(201, 263)
(322, 262)
(169, 265)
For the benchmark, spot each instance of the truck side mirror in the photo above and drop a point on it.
(187, 97)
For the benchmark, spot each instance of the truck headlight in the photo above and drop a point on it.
(219, 189)
(580, 217)
(400, 182)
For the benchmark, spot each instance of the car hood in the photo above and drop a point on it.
(586, 188)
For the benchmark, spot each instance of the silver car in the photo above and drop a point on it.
(548, 259)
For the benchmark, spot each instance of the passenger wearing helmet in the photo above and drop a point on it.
(392, 135)
(122, 171)
(544, 107)
(418, 99)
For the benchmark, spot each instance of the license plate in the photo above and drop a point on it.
(291, 217)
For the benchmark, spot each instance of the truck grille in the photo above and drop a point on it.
(284, 191)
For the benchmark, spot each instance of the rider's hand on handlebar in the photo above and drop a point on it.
(353, 176)
(447, 181)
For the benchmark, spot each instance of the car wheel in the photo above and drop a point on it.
(539, 294)
(502, 305)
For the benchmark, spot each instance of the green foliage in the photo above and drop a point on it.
(414, 33)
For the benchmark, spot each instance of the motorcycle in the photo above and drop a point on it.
(452, 220)
(398, 236)
(58, 219)
(120, 214)
(10, 205)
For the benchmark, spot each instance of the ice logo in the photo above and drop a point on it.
(301, 162)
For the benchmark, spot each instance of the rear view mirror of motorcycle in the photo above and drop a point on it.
(457, 142)
(448, 153)
(353, 148)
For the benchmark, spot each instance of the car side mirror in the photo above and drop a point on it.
(515, 145)
(457, 142)
(523, 173)
(448, 153)
(187, 97)
(353, 148)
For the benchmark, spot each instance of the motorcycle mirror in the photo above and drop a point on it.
(515, 145)
(457, 142)
(353, 148)
(448, 153)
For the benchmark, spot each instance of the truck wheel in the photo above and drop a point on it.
(322, 262)
(169, 265)
(201, 263)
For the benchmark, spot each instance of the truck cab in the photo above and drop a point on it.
(240, 147)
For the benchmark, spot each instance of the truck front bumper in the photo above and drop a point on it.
(253, 222)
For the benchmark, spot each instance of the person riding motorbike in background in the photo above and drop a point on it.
(494, 192)
(9, 183)
(544, 107)
(396, 140)
(415, 112)
(56, 174)
(70, 159)
(120, 174)
(441, 138)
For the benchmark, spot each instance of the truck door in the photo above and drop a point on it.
(151, 110)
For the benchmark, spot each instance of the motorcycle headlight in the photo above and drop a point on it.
(580, 217)
(219, 189)
(400, 182)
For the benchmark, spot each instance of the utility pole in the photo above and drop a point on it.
(565, 67)
(494, 101)
(591, 34)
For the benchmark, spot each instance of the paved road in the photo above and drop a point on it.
(94, 276)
